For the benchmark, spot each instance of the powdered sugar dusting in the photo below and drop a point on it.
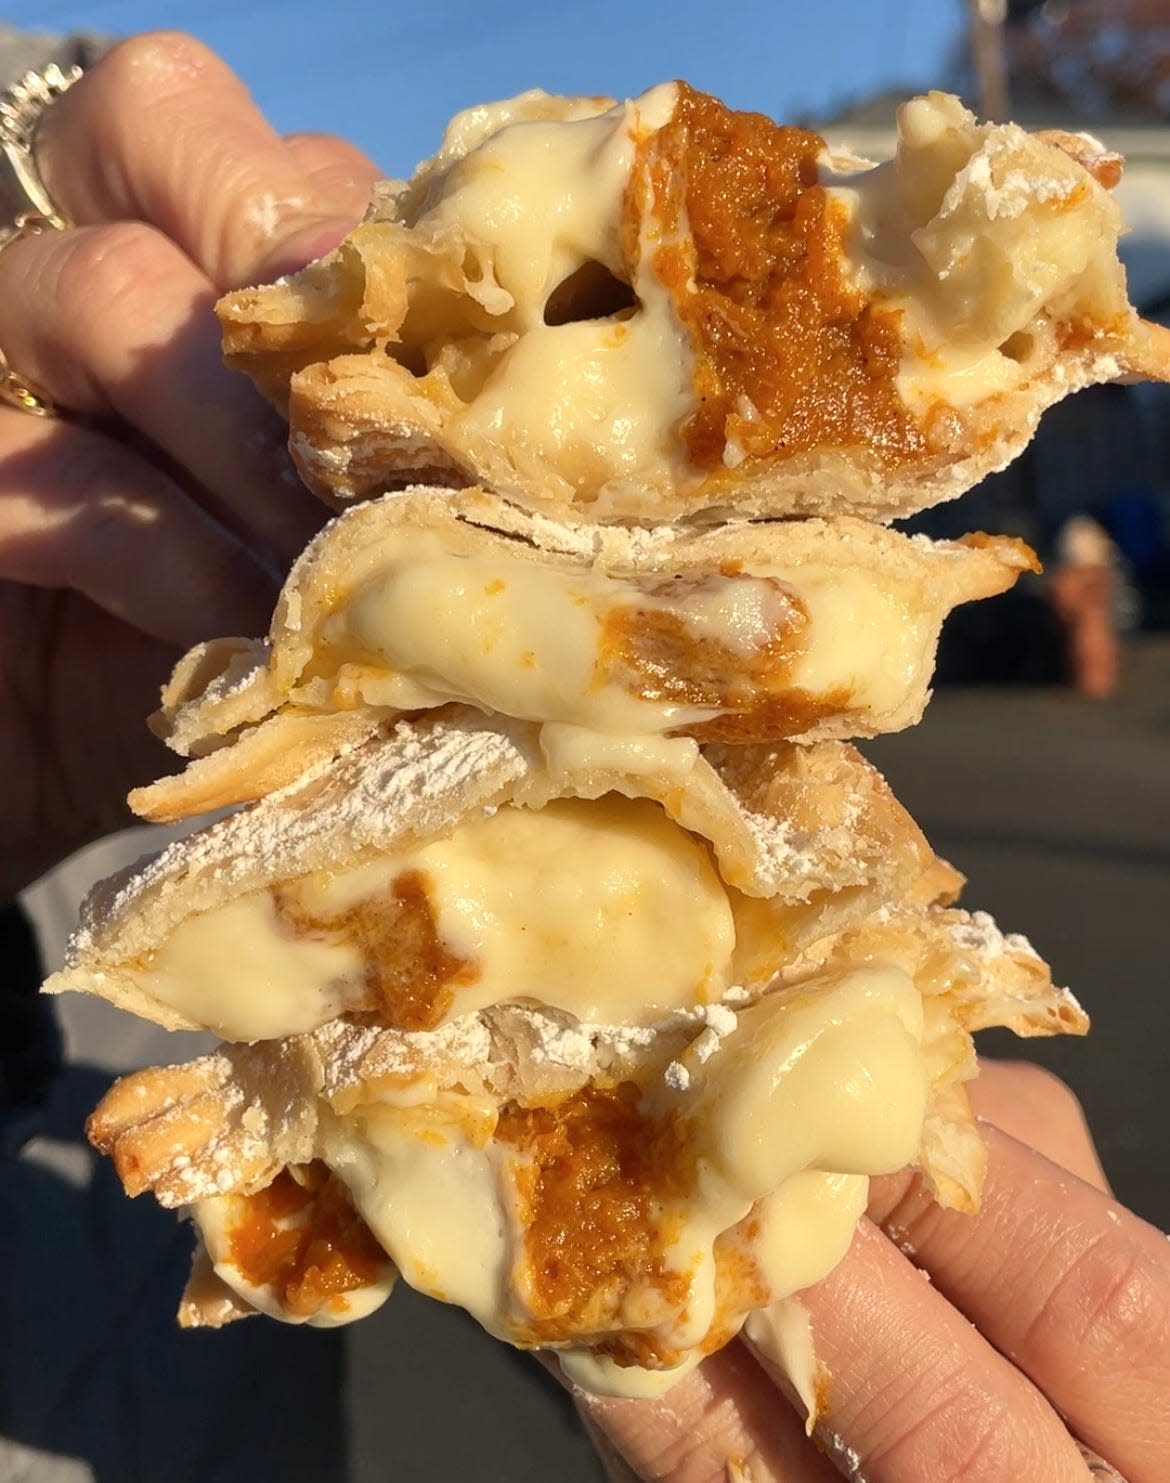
(677, 1077)
(509, 1039)
(979, 932)
(363, 799)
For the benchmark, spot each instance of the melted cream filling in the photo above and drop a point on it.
(867, 638)
(522, 638)
(805, 1228)
(239, 971)
(533, 900)
(427, 1184)
(534, 199)
(973, 250)
(571, 752)
(781, 1336)
(827, 1081)
(218, 1219)
(809, 1094)
(541, 197)
(829, 1077)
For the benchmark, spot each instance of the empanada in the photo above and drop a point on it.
(666, 309)
(624, 1194)
(810, 629)
(448, 866)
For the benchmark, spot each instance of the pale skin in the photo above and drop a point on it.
(1046, 1312)
(163, 511)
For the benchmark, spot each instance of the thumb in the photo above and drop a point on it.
(295, 241)
(162, 131)
(340, 179)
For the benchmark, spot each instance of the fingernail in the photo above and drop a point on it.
(303, 240)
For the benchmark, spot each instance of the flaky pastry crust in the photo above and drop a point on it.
(229, 1122)
(808, 839)
(227, 690)
(382, 353)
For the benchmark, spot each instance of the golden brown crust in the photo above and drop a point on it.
(270, 756)
(1104, 165)
(227, 1121)
(229, 677)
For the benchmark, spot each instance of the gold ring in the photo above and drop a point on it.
(23, 394)
(22, 107)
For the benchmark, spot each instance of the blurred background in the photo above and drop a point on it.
(1042, 768)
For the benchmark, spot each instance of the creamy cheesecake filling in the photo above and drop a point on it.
(518, 904)
(633, 1226)
(985, 266)
(764, 649)
(545, 339)
(669, 288)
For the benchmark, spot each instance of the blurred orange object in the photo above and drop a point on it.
(1085, 589)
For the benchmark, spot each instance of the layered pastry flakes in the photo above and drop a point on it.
(664, 308)
(568, 961)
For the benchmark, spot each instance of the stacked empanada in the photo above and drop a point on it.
(568, 961)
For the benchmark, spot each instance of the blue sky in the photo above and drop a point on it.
(389, 75)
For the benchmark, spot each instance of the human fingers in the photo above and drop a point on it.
(335, 168)
(1038, 1108)
(915, 1394)
(724, 1421)
(617, 1469)
(81, 512)
(163, 131)
(1068, 1284)
(115, 319)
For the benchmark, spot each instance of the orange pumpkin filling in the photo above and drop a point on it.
(410, 975)
(303, 1239)
(597, 1172)
(789, 355)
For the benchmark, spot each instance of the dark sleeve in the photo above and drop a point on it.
(30, 1041)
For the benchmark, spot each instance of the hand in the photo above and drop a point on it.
(1069, 1295)
(163, 510)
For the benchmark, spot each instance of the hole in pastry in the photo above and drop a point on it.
(590, 292)
(409, 357)
(1019, 347)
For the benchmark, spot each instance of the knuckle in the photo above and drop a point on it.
(103, 271)
(1124, 1308)
(86, 479)
(1110, 1302)
(980, 1447)
(909, 1215)
(965, 1436)
(133, 85)
(310, 139)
